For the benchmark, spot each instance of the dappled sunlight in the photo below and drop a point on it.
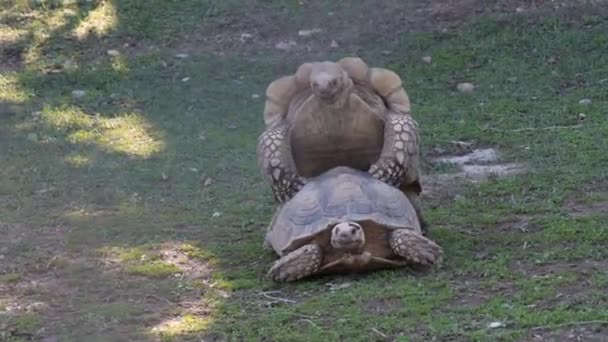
(10, 35)
(47, 23)
(183, 325)
(100, 21)
(187, 260)
(191, 266)
(78, 160)
(128, 133)
(11, 91)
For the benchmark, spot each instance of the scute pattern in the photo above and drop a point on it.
(339, 194)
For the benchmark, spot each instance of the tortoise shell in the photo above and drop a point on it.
(340, 194)
(323, 137)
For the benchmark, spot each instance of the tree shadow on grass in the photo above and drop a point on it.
(139, 165)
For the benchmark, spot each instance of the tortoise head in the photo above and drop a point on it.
(347, 236)
(330, 82)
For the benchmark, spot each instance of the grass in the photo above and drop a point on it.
(137, 211)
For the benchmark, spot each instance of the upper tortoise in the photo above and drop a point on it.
(342, 113)
(346, 221)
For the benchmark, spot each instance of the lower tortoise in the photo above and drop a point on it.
(345, 220)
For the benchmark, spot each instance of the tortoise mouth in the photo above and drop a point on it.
(346, 244)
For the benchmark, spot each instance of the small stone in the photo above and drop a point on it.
(207, 182)
(308, 33)
(512, 79)
(164, 176)
(519, 9)
(182, 55)
(113, 52)
(78, 93)
(285, 46)
(32, 137)
(255, 96)
(386, 52)
(232, 126)
(427, 59)
(216, 214)
(245, 37)
(582, 116)
(585, 101)
(185, 79)
(334, 44)
(193, 169)
(495, 325)
(465, 87)
(551, 60)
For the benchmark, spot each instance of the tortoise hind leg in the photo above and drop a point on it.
(415, 248)
(298, 264)
(277, 165)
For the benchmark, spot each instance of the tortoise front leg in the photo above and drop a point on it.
(415, 248)
(298, 264)
(277, 165)
(400, 150)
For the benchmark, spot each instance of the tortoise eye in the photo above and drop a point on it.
(353, 230)
(333, 82)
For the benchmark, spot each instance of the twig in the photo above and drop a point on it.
(379, 332)
(309, 321)
(284, 300)
(569, 324)
(548, 128)
(163, 299)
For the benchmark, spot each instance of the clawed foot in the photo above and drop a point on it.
(298, 264)
(415, 248)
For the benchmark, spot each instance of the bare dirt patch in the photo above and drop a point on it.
(592, 200)
(313, 29)
(382, 305)
(585, 331)
(474, 293)
(575, 209)
(574, 293)
(474, 167)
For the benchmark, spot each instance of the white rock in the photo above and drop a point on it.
(182, 55)
(255, 96)
(185, 79)
(113, 52)
(512, 79)
(495, 325)
(308, 33)
(78, 93)
(217, 214)
(585, 101)
(427, 59)
(334, 44)
(245, 37)
(285, 46)
(465, 87)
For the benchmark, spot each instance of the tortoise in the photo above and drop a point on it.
(346, 221)
(342, 113)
